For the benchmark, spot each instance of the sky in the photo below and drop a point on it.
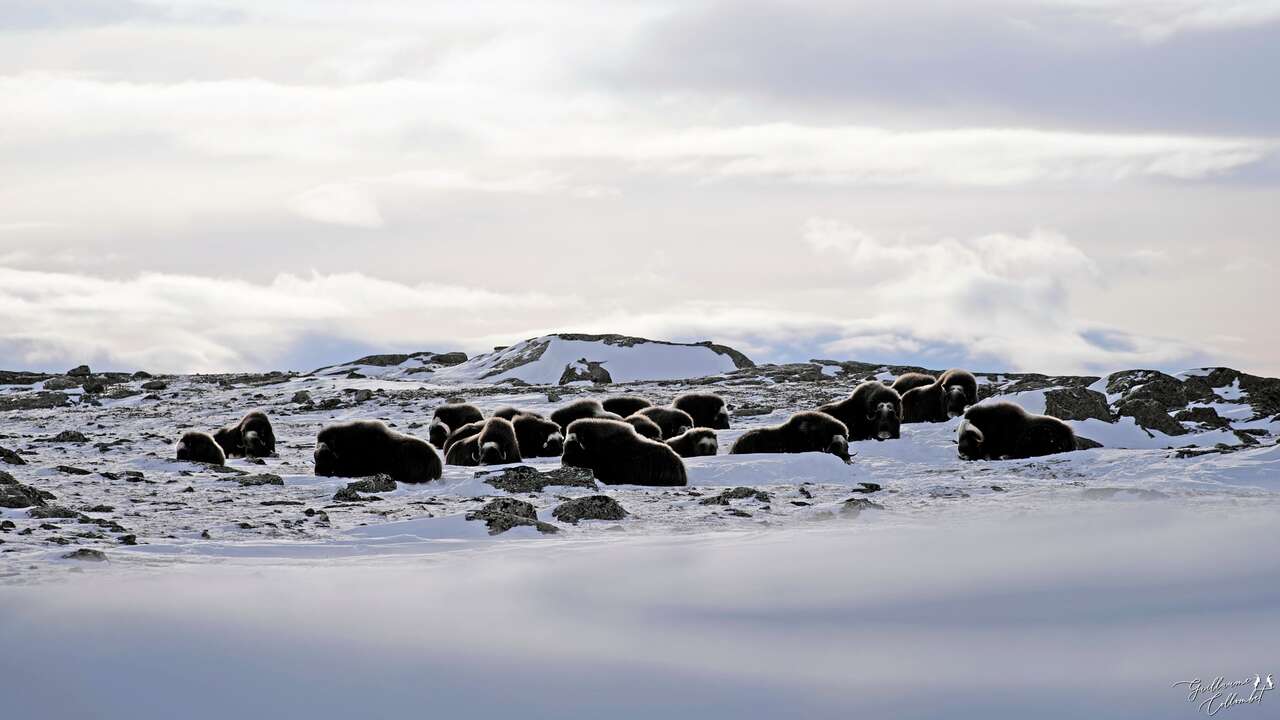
(1041, 185)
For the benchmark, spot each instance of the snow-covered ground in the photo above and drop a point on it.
(908, 581)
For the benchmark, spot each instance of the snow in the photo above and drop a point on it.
(643, 361)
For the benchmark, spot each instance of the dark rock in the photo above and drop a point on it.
(140, 375)
(374, 484)
(751, 411)
(738, 493)
(346, 494)
(302, 397)
(52, 512)
(61, 383)
(868, 487)
(128, 539)
(11, 457)
(1245, 438)
(502, 514)
(155, 385)
(584, 369)
(14, 494)
(7, 525)
(260, 479)
(101, 509)
(593, 507)
(450, 358)
(1151, 415)
(42, 400)
(1164, 390)
(86, 554)
(853, 507)
(1077, 403)
(1204, 416)
(72, 470)
(79, 371)
(69, 436)
(526, 479)
(1084, 443)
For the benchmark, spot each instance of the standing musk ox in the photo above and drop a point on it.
(360, 448)
(251, 436)
(911, 381)
(625, 405)
(200, 447)
(448, 418)
(1002, 430)
(697, 442)
(874, 410)
(946, 398)
(672, 421)
(537, 436)
(616, 455)
(579, 409)
(707, 409)
(645, 427)
(803, 432)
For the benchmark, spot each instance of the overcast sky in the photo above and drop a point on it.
(1044, 185)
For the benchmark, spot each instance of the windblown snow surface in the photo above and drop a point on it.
(906, 584)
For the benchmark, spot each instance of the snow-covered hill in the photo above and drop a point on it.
(559, 359)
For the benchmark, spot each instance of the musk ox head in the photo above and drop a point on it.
(491, 453)
(969, 441)
(554, 445)
(954, 401)
(840, 448)
(884, 420)
(437, 433)
(326, 460)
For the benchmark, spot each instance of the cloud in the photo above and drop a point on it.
(184, 323)
(340, 204)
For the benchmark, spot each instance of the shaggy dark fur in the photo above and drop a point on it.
(625, 405)
(803, 432)
(579, 409)
(707, 409)
(448, 418)
(498, 444)
(672, 421)
(873, 410)
(462, 433)
(465, 452)
(616, 455)
(538, 436)
(250, 436)
(645, 427)
(911, 381)
(1002, 430)
(954, 391)
(695, 443)
(367, 447)
(200, 447)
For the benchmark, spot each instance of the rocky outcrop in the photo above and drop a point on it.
(584, 369)
(525, 479)
(502, 514)
(1077, 403)
(1150, 414)
(592, 507)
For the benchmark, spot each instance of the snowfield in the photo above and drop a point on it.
(808, 574)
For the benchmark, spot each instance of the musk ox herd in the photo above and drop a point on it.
(627, 440)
